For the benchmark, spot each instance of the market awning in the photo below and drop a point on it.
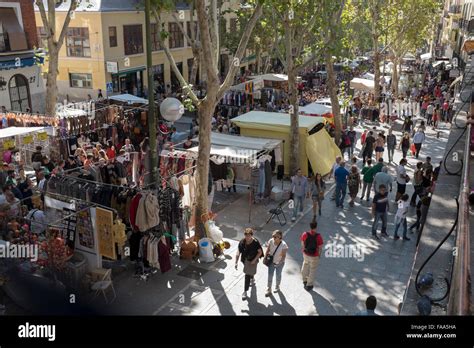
(425, 56)
(271, 77)
(14, 131)
(228, 154)
(438, 63)
(128, 98)
(315, 109)
(362, 84)
(259, 144)
(275, 121)
(456, 81)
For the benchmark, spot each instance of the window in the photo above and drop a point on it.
(133, 39)
(19, 93)
(42, 37)
(80, 80)
(155, 38)
(176, 38)
(113, 36)
(77, 42)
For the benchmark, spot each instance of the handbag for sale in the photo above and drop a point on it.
(268, 260)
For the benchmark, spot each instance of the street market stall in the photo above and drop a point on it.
(278, 126)
(25, 140)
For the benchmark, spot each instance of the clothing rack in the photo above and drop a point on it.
(94, 182)
(91, 204)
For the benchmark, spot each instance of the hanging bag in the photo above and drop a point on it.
(268, 260)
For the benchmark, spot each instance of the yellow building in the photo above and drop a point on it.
(105, 48)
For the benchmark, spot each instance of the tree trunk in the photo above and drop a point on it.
(332, 89)
(395, 78)
(375, 46)
(205, 111)
(51, 83)
(258, 61)
(295, 136)
(376, 71)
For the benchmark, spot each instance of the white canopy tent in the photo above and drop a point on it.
(425, 56)
(315, 109)
(271, 77)
(438, 63)
(238, 147)
(128, 98)
(15, 131)
(362, 84)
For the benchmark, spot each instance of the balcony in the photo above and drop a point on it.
(4, 43)
(455, 9)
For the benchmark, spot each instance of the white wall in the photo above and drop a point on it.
(36, 86)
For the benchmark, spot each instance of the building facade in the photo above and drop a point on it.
(21, 84)
(105, 48)
(457, 27)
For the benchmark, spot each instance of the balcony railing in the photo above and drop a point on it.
(459, 297)
(4, 42)
(455, 9)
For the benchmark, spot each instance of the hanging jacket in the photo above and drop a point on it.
(148, 213)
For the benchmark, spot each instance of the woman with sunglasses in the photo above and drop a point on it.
(277, 248)
(249, 251)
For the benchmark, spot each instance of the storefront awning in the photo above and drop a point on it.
(128, 71)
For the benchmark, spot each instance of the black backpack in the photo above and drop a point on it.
(311, 243)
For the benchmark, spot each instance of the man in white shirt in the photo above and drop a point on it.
(429, 114)
(418, 140)
(383, 178)
(402, 179)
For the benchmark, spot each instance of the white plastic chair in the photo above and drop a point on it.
(103, 285)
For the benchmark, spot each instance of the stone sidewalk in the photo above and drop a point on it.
(342, 283)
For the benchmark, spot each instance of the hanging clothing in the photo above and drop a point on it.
(268, 179)
(164, 255)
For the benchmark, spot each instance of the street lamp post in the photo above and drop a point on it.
(151, 100)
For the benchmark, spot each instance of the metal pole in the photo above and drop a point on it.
(151, 100)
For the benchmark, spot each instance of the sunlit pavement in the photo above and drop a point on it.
(342, 283)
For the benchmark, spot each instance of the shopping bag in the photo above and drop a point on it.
(413, 149)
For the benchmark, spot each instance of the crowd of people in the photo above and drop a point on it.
(373, 183)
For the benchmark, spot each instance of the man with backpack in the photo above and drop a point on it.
(312, 245)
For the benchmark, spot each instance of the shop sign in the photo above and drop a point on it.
(84, 228)
(112, 67)
(27, 139)
(42, 136)
(7, 144)
(104, 223)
